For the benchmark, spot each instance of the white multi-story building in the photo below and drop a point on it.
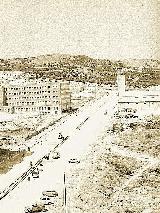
(147, 101)
(43, 97)
(9, 75)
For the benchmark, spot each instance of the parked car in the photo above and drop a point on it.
(56, 155)
(60, 136)
(50, 193)
(46, 157)
(35, 174)
(105, 113)
(47, 200)
(131, 116)
(74, 160)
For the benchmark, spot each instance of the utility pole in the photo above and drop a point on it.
(65, 194)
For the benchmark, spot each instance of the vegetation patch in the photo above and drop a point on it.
(143, 137)
(9, 158)
(141, 194)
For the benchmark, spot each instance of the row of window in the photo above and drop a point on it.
(30, 103)
(30, 92)
(35, 109)
(5, 110)
(31, 97)
(32, 87)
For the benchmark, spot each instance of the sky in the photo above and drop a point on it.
(113, 29)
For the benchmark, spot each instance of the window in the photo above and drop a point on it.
(49, 108)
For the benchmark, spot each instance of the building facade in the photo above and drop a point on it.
(43, 97)
(9, 75)
(147, 101)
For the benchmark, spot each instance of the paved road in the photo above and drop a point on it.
(47, 140)
(83, 130)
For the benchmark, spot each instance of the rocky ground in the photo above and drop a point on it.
(120, 174)
(143, 138)
(16, 130)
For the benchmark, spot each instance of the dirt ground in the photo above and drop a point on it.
(113, 179)
(9, 158)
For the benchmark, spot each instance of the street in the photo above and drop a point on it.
(90, 123)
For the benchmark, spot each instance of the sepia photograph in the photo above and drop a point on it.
(80, 106)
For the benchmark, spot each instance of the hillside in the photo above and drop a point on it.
(84, 68)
